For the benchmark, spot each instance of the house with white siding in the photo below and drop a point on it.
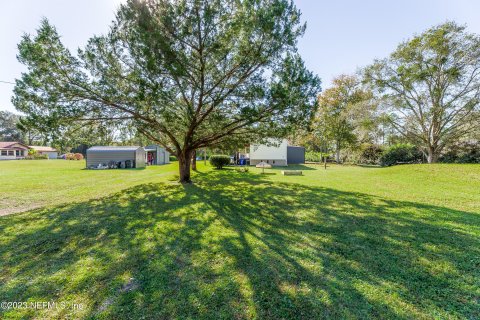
(12, 150)
(276, 153)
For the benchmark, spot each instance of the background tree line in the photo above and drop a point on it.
(421, 104)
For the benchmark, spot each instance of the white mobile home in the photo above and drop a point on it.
(274, 153)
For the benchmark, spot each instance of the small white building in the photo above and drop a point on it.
(274, 152)
(52, 153)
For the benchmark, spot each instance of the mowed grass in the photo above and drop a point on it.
(341, 243)
(32, 184)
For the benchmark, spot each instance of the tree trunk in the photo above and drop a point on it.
(184, 159)
(432, 156)
(194, 160)
(337, 154)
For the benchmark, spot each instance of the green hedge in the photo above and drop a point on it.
(463, 152)
(313, 156)
(316, 156)
(219, 160)
(36, 157)
(400, 153)
(370, 154)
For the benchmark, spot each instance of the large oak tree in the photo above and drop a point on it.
(187, 74)
(431, 86)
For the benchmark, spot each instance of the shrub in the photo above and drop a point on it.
(317, 156)
(313, 156)
(32, 152)
(219, 160)
(370, 153)
(173, 158)
(242, 169)
(464, 152)
(400, 153)
(73, 156)
(36, 156)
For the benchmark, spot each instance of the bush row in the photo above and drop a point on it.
(311, 156)
(396, 154)
(36, 156)
(465, 152)
(400, 153)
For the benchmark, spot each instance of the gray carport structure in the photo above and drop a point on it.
(103, 155)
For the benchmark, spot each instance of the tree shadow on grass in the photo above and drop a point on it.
(234, 245)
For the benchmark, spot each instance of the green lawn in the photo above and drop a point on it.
(342, 243)
(28, 185)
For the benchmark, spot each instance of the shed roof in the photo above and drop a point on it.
(114, 148)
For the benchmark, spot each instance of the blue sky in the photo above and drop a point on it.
(341, 35)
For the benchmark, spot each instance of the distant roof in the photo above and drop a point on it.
(114, 148)
(43, 149)
(7, 144)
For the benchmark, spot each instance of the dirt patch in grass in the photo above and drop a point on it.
(7, 207)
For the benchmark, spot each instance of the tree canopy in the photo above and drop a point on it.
(186, 74)
(8, 127)
(342, 109)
